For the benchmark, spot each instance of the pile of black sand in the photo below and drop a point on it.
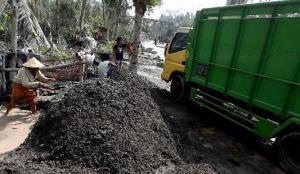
(101, 126)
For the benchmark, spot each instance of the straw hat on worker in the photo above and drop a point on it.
(33, 63)
(28, 79)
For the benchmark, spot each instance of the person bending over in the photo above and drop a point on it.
(26, 83)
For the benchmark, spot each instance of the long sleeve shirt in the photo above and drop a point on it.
(27, 79)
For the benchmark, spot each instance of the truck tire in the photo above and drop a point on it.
(177, 88)
(289, 152)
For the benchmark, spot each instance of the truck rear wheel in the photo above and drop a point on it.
(289, 152)
(177, 87)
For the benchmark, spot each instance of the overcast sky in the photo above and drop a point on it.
(183, 6)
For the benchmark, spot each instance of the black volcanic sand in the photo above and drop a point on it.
(103, 126)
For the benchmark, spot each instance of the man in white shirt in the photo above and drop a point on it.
(105, 66)
(88, 59)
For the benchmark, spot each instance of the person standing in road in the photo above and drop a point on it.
(118, 51)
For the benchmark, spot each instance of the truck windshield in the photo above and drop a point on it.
(179, 42)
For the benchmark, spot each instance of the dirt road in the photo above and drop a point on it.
(14, 128)
(207, 138)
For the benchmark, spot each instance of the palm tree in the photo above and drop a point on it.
(141, 6)
(23, 16)
(30, 25)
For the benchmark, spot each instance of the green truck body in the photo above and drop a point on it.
(244, 63)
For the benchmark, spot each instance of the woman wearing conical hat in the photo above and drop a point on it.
(26, 82)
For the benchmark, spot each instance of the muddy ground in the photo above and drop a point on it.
(195, 140)
(205, 137)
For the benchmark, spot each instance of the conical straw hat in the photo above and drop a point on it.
(33, 63)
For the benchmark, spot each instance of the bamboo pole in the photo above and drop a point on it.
(14, 38)
(49, 68)
(81, 72)
(3, 79)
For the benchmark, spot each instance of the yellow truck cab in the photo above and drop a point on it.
(175, 57)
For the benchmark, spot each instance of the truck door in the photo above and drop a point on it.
(177, 50)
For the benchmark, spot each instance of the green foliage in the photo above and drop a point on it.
(146, 4)
(4, 19)
(3, 46)
(56, 54)
(105, 47)
(153, 3)
(61, 54)
(167, 25)
(95, 17)
(63, 16)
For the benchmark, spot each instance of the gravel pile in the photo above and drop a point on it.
(102, 126)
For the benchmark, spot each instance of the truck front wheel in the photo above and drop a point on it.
(177, 87)
(289, 152)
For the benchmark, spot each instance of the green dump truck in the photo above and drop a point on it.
(243, 62)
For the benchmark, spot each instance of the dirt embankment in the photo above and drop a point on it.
(103, 126)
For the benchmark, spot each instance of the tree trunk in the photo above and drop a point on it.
(140, 10)
(103, 12)
(82, 14)
(40, 35)
(116, 29)
(14, 38)
(3, 79)
(117, 18)
(137, 29)
(57, 21)
(109, 24)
